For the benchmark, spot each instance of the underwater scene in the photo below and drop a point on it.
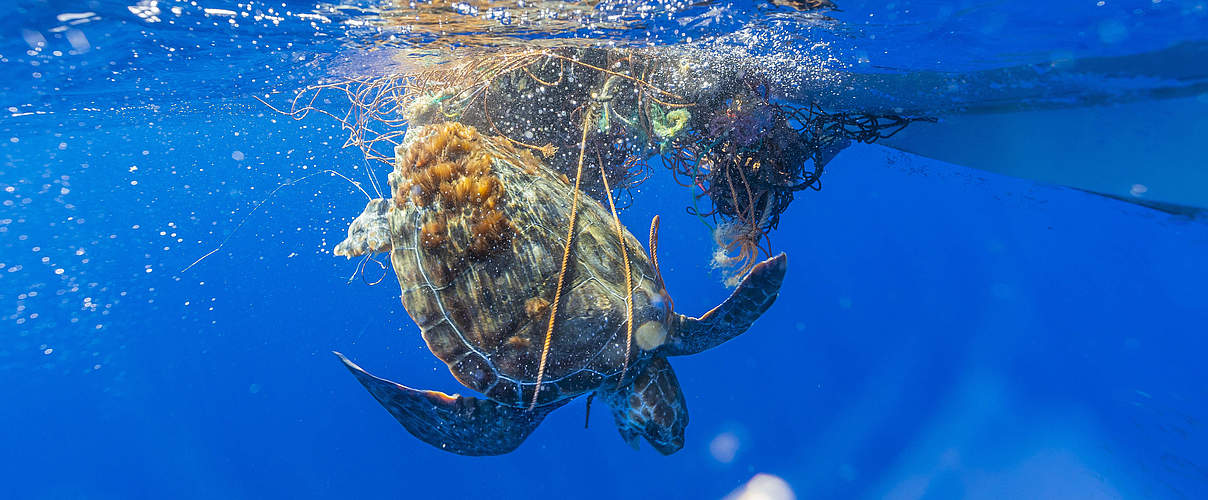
(785, 249)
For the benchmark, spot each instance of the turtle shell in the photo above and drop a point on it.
(477, 231)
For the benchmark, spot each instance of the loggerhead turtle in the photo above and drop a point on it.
(476, 233)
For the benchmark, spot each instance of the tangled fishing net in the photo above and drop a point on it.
(750, 156)
(718, 130)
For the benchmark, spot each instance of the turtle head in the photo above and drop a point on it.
(369, 233)
(651, 407)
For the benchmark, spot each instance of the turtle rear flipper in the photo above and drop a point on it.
(652, 407)
(460, 424)
(753, 296)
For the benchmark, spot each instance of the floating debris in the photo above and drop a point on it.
(717, 128)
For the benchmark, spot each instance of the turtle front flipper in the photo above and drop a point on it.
(369, 233)
(460, 424)
(652, 407)
(753, 296)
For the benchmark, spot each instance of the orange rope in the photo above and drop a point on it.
(628, 278)
(614, 73)
(654, 245)
(570, 234)
(654, 259)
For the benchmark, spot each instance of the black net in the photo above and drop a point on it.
(749, 156)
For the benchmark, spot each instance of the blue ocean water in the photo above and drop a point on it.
(944, 331)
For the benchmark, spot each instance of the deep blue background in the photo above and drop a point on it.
(943, 332)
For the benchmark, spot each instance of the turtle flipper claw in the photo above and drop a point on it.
(753, 296)
(459, 424)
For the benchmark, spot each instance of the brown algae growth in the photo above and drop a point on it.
(449, 171)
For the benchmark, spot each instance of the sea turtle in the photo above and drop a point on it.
(476, 232)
